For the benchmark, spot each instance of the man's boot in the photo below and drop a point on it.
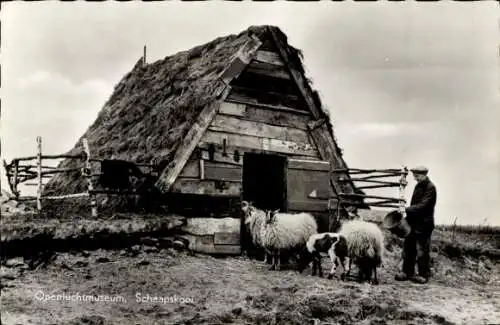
(420, 279)
(402, 277)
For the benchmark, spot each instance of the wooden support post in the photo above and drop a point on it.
(14, 180)
(39, 173)
(202, 169)
(402, 186)
(88, 169)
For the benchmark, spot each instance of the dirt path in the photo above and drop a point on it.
(230, 290)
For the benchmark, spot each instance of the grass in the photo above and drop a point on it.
(470, 229)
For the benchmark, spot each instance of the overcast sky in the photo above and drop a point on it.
(406, 83)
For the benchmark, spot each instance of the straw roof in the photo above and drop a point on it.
(154, 106)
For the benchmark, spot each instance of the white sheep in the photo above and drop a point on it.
(322, 243)
(254, 219)
(286, 231)
(365, 247)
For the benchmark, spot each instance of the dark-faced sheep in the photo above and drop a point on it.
(322, 243)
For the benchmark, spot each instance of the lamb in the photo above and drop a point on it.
(286, 231)
(365, 247)
(322, 243)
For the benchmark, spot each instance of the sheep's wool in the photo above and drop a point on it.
(364, 239)
(256, 221)
(313, 238)
(288, 230)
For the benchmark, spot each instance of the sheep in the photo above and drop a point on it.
(254, 219)
(365, 247)
(322, 243)
(286, 231)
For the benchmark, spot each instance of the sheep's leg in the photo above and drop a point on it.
(279, 261)
(333, 259)
(314, 266)
(319, 266)
(346, 261)
(360, 274)
(375, 280)
(273, 261)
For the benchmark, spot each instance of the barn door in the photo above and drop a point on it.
(308, 185)
(264, 180)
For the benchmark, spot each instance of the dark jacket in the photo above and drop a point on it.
(420, 213)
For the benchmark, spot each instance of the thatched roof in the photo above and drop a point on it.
(153, 107)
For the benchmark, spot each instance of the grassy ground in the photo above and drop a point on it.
(464, 289)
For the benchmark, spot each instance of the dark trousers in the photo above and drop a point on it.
(417, 248)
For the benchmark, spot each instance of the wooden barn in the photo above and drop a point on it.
(234, 119)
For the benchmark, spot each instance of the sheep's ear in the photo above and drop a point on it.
(275, 211)
(244, 206)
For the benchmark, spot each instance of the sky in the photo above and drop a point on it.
(406, 83)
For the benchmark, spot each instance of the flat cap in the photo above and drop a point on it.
(420, 170)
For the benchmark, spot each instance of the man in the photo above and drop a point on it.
(420, 217)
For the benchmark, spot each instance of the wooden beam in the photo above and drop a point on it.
(315, 124)
(49, 157)
(39, 173)
(369, 181)
(235, 125)
(67, 196)
(233, 109)
(202, 169)
(90, 185)
(360, 204)
(222, 172)
(219, 157)
(366, 171)
(292, 119)
(269, 57)
(116, 192)
(241, 60)
(168, 176)
(206, 187)
(255, 96)
(267, 69)
(370, 196)
(61, 170)
(26, 198)
(381, 202)
(374, 186)
(250, 101)
(264, 144)
(308, 164)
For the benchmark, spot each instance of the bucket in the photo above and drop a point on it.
(396, 224)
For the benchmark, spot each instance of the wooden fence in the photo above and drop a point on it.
(372, 179)
(21, 170)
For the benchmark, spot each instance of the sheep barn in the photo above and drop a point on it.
(234, 119)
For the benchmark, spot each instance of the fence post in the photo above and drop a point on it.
(402, 185)
(39, 173)
(88, 175)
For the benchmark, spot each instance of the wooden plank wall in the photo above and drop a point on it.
(308, 185)
(248, 122)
